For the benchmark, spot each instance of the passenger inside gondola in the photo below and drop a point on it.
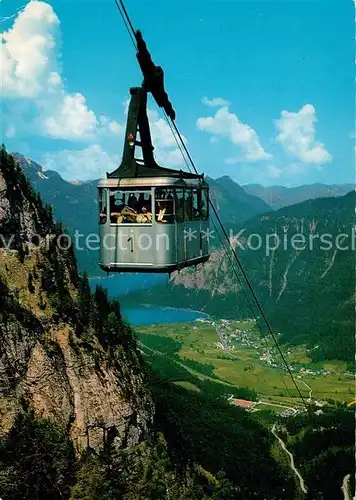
(164, 206)
(160, 212)
(144, 216)
(115, 210)
(130, 208)
(132, 202)
(196, 205)
(129, 215)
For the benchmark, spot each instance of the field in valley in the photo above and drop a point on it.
(230, 358)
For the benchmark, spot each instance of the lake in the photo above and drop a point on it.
(121, 285)
(152, 315)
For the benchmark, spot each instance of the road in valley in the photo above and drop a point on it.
(296, 472)
(310, 390)
(345, 487)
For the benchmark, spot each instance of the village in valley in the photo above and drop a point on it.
(235, 360)
(237, 335)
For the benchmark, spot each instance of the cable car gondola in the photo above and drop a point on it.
(151, 218)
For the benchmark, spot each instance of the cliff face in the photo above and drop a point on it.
(63, 384)
(54, 353)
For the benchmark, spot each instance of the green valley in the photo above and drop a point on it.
(228, 358)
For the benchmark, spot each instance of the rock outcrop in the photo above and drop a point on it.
(48, 360)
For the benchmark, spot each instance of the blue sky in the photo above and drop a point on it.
(263, 90)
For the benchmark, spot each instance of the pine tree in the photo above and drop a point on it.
(37, 460)
(103, 310)
(72, 264)
(41, 302)
(21, 253)
(111, 330)
(84, 301)
(30, 283)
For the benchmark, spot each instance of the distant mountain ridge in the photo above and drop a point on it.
(281, 196)
(75, 205)
(232, 202)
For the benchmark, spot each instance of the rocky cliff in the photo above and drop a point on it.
(55, 356)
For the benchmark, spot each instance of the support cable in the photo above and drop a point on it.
(126, 19)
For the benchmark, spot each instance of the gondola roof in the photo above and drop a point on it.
(136, 170)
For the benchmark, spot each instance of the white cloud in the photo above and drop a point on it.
(297, 135)
(86, 164)
(71, 119)
(166, 151)
(161, 133)
(30, 70)
(27, 51)
(115, 127)
(215, 102)
(226, 124)
(11, 132)
(169, 158)
(111, 125)
(54, 78)
(273, 172)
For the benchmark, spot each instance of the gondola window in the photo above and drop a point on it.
(130, 207)
(164, 207)
(102, 206)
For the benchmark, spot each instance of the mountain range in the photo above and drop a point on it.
(282, 196)
(232, 202)
(77, 201)
(76, 205)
